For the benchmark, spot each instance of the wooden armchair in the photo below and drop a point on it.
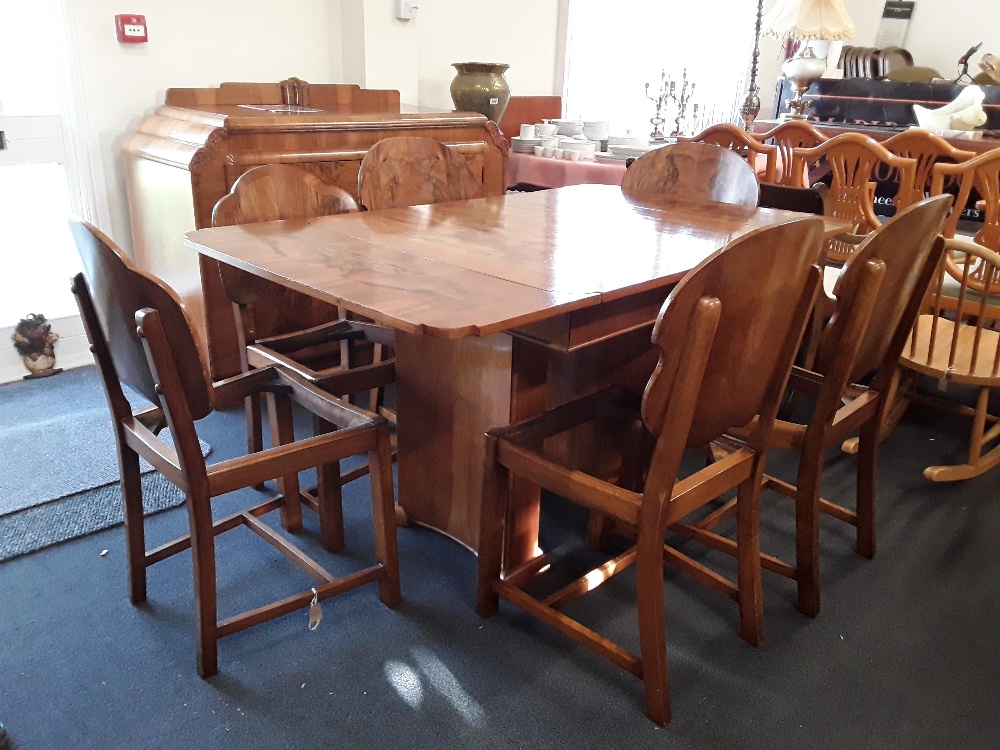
(743, 143)
(878, 296)
(322, 354)
(408, 171)
(693, 172)
(787, 137)
(715, 372)
(141, 337)
(957, 341)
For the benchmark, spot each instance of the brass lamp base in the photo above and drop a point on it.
(802, 70)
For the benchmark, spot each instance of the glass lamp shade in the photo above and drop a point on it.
(809, 19)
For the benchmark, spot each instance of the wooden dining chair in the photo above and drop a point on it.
(735, 138)
(957, 341)
(977, 176)
(787, 136)
(141, 337)
(850, 388)
(409, 171)
(853, 159)
(693, 172)
(726, 348)
(322, 353)
(927, 150)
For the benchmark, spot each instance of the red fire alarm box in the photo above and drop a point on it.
(131, 29)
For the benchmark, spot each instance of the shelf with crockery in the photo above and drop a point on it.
(579, 140)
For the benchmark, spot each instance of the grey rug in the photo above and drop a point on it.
(78, 515)
(63, 455)
(59, 465)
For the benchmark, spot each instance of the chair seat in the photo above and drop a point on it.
(963, 338)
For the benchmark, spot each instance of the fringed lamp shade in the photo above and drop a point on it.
(809, 19)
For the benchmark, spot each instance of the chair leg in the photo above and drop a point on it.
(748, 558)
(279, 410)
(255, 427)
(135, 530)
(868, 442)
(491, 530)
(380, 461)
(329, 497)
(652, 629)
(807, 497)
(205, 592)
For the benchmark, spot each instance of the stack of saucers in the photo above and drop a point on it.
(524, 145)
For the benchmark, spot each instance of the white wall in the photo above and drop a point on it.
(191, 43)
(938, 34)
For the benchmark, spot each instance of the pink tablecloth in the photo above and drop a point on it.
(551, 173)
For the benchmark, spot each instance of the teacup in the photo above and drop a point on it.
(548, 151)
(558, 153)
(527, 131)
(571, 155)
(546, 129)
(539, 151)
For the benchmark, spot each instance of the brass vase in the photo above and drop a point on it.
(481, 87)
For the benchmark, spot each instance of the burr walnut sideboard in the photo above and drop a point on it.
(187, 154)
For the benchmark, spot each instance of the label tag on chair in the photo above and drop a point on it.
(315, 612)
(943, 380)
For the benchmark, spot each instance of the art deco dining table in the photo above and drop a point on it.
(502, 307)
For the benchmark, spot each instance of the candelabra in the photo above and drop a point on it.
(661, 102)
(682, 99)
(668, 93)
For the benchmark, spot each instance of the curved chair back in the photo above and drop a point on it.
(693, 172)
(115, 290)
(906, 244)
(981, 174)
(279, 191)
(739, 140)
(788, 136)
(748, 365)
(927, 150)
(408, 171)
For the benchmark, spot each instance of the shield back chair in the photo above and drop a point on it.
(141, 337)
(743, 143)
(927, 150)
(788, 136)
(283, 192)
(957, 341)
(726, 348)
(852, 159)
(977, 176)
(410, 171)
(693, 172)
(850, 387)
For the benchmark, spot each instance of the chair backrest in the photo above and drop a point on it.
(853, 159)
(787, 136)
(737, 139)
(981, 174)
(279, 191)
(110, 291)
(758, 331)
(408, 171)
(273, 192)
(927, 149)
(693, 172)
(908, 246)
(957, 339)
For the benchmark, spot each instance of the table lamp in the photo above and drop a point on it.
(806, 20)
